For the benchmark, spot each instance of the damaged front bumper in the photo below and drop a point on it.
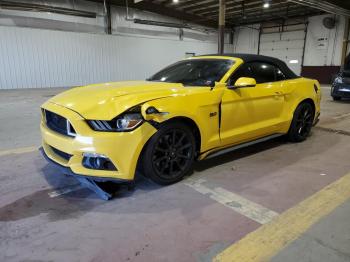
(93, 183)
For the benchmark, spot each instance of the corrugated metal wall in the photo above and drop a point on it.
(31, 58)
(324, 46)
(246, 39)
(40, 49)
(287, 46)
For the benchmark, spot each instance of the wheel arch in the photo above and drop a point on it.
(309, 101)
(182, 119)
(192, 125)
(295, 106)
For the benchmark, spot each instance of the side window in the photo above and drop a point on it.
(263, 72)
(244, 71)
(279, 74)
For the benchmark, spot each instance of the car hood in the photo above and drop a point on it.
(106, 101)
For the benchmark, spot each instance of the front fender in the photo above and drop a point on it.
(201, 107)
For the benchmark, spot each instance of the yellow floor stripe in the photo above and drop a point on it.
(272, 237)
(18, 150)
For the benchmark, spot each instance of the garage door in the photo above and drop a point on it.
(287, 46)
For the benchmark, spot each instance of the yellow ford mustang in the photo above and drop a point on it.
(188, 111)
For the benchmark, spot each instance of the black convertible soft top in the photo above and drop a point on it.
(261, 58)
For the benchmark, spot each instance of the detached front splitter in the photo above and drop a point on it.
(95, 184)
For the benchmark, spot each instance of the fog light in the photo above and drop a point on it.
(97, 161)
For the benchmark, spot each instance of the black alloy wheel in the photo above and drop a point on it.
(169, 154)
(301, 123)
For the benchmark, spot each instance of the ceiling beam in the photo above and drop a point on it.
(273, 12)
(262, 19)
(247, 6)
(214, 4)
(194, 3)
(324, 6)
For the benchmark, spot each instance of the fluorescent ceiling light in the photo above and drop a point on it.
(294, 61)
(266, 5)
(175, 1)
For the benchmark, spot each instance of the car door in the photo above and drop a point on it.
(252, 112)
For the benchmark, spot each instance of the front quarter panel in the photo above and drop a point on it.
(200, 104)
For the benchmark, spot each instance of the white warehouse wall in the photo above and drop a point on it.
(327, 52)
(289, 45)
(246, 39)
(31, 58)
(52, 50)
(49, 50)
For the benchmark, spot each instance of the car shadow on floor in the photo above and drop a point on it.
(143, 185)
(239, 153)
(78, 202)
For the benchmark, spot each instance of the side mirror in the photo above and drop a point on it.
(243, 82)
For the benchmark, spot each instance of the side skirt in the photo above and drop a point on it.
(239, 146)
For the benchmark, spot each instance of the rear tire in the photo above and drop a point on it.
(169, 154)
(302, 122)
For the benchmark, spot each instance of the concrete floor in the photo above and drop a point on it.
(46, 216)
(327, 240)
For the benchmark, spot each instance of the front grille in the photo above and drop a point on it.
(342, 93)
(59, 124)
(60, 153)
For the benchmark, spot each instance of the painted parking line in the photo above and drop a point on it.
(269, 239)
(233, 201)
(21, 150)
(65, 190)
(332, 130)
(342, 116)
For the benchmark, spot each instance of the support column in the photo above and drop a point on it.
(259, 39)
(108, 17)
(221, 40)
(304, 46)
(232, 36)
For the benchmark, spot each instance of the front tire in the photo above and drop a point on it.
(302, 122)
(169, 154)
(336, 98)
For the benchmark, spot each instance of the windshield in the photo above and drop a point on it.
(194, 72)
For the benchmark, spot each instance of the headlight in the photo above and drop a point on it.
(127, 121)
(338, 80)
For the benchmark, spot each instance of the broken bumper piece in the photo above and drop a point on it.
(96, 184)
